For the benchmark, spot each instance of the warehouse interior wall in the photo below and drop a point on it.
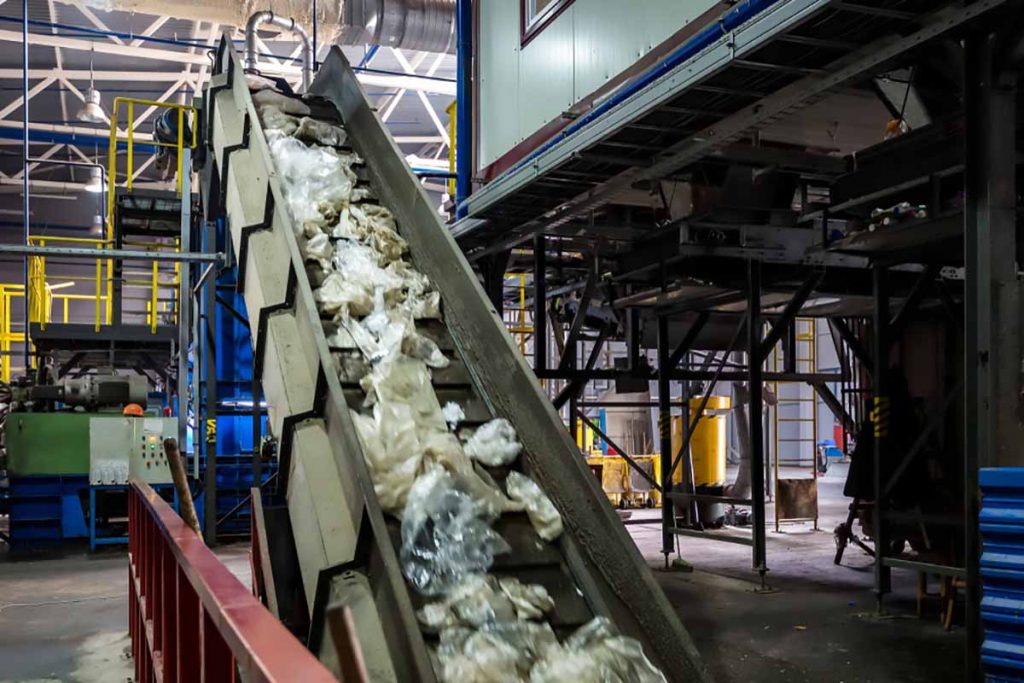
(523, 87)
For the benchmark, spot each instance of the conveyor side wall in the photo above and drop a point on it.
(344, 552)
(601, 554)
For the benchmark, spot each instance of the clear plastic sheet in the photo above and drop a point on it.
(392, 456)
(317, 180)
(494, 443)
(596, 654)
(444, 538)
(444, 450)
(475, 601)
(338, 292)
(495, 652)
(532, 601)
(543, 515)
(289, 105)
(320, 132)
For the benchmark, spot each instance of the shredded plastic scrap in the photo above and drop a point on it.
(543, 515)
(531, 600)
(494, 443)
(596, 654)
(496, 652)
(475, 601)
(443, 536)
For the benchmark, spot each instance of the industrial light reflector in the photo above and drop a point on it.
(91, 111)
(95, 183)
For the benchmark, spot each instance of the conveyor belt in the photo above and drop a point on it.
(345, 545)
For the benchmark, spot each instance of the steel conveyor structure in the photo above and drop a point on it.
(345, 545)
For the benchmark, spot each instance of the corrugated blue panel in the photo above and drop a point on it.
(46, 509)
(1001, 524)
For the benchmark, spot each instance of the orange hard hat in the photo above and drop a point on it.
(133, 410)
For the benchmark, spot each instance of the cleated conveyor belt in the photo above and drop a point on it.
(347, 548)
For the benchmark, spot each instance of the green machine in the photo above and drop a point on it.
(48, 451)
(55, 444)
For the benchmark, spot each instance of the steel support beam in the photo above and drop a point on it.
(115, 254)
(913, 301)
(839, 327)
(992, 298)
(789, 314)
(209, 360)
(756, 407)
(575, 386)
(880, 419)
(686, 343)
(540, 305)
(568, 358)
(665, 439)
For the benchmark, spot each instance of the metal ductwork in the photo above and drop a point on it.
(427, 25)
(266, 17)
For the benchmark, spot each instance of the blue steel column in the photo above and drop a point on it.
(25, 155)
(463, 104)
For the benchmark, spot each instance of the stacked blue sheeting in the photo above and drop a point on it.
(1001, 525)
(46, 509)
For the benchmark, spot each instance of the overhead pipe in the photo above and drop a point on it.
(422, 25)
(267, 17)
(372, 77)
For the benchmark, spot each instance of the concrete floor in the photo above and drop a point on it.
(64, 618)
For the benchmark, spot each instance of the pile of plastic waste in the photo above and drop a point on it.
(426, 471)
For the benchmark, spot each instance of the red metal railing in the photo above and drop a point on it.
(190, 618)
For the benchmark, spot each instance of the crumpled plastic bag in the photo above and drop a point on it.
(475, 601)
(317, 181)
(320, 132)
(276, 121)
(443, 536)
(406, 381)
(319, 248)
(443, 449)
(595, 653)
(494, 443)
(392, 454)
(495, 652)
(543, 515)
(339, 292)
(453, 414)
(531, 600)
(289, 105)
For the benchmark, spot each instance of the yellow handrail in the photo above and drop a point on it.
(179, 146)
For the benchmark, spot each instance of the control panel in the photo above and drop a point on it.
(124, 447)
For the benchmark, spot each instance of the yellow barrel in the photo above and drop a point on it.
(708, 444)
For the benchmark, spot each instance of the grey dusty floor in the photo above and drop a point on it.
(64, 618)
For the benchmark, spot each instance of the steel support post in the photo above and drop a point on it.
(665, 439)
(540, 305)
(184, 304)
(756, 409)
(992, 341)
(209, 296)
(257, 432)
(880, 412)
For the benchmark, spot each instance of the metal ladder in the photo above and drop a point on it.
(795, 397)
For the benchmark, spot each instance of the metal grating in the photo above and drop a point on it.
(1001, 525)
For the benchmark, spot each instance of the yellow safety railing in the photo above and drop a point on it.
(8, 337)
(451, 148)
(183, 112)
(40, 296)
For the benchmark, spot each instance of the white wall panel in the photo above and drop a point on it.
(522, 89)
(546, 75)
(498, 85)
